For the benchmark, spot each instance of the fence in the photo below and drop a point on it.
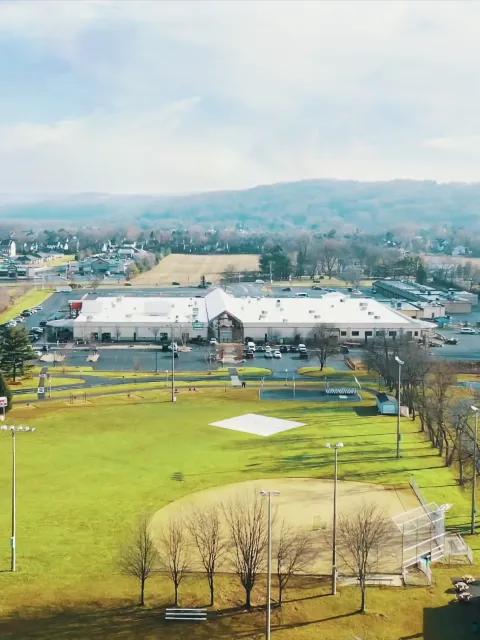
(418, 492)
(194, 615)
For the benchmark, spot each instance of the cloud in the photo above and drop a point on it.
(180, 96)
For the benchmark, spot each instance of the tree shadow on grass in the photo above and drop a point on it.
(125, 623)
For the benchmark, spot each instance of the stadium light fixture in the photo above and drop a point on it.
(269, 494)
(336, 447)
(14, 430)
(474, 482)
(399, 402)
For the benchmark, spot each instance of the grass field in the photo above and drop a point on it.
(31, 299)
(89, 470)
(187, 269)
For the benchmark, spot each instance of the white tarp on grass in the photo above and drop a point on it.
(257, 425)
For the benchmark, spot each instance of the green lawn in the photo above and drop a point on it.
(90, 469)
(29, 300)
(54, 381)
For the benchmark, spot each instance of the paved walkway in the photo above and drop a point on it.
(235, 380)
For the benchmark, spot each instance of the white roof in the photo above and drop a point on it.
(333, 308)
(142, 311)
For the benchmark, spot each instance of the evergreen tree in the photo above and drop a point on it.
(5, 392)
(422, 274)
(276, 260)
(16, 353)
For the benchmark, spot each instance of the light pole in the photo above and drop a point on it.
(336, 447)
(286, 374)
(14, 488)
(269, 494)
(474, 483)
(399, 362)
(173, 368)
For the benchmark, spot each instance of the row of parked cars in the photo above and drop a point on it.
(251, 348)
(21, 318)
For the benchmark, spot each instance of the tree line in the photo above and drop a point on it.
(429, 388)
(234, 534)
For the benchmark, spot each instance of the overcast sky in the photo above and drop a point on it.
(169, 97)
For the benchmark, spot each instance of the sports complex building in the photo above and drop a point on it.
(233, 319)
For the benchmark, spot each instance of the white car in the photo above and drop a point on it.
(302, 347)
(175, 346)
(467, 330)
(251, 346)
(268, 354)
(277, 354)
(213, 342)
(259, 282)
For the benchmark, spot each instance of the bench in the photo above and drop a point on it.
(195, 615)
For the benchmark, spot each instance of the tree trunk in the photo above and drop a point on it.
(248, 597)
(142, 592)
(176, 596)
(212, 591)
(363, 587)
(280, 594)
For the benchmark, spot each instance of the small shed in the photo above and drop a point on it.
(387, 405)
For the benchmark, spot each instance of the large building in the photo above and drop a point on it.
(452, 301)
(231, 319)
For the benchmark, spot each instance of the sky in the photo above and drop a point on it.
(173, 97)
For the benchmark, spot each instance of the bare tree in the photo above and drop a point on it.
(358, 535)
(95, 283)
(352, 275)
(138, 556)
(324, 338)
(210, 357)
(137, 365)
(294, 553)
(441, 383)
(247, 524)
(174, 550)
(154, 331)
(118, 333)
(205, 529)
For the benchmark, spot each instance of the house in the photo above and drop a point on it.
(459, 251)
(387, 405)
(8, 248)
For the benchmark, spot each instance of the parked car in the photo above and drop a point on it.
(251, 346)
(467, 330)
(268, 354)
(259, 282)
(176, 284)
(11, 324)
(301, 347)
(317, 288)
(260, 348)
(175, 354)
(283, 348)
(249, 355)
(277, 354)
(293, 348)
(19, 319)
(127, 284)
(43, 323)
(213, 342)
(38, 330)
(26, 313)
(302, 294)
(38, 307)
(303, 355)
(287, 289)
(174, 346)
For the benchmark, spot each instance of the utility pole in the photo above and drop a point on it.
(271, 275)
(173, 369)
(269, 494)
(474, 481)
(335, 447)
(399, 402)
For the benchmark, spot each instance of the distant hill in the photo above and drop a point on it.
(311, 204)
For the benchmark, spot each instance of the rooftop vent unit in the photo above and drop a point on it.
(281, 309)
(311, 311)
(370, 313)
(317, 317)
(129, 315)
(377, 317)
(285, 320)
(264, 312)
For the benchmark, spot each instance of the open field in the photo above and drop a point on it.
(54, 381)
(89, 470)
(31, 299)
(451, 260)
(187, 269)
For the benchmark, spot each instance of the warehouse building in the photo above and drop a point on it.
(231, 319)
(452, 301)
